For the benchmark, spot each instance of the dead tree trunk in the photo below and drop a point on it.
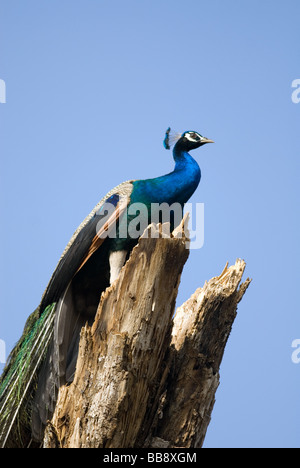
(144, 379)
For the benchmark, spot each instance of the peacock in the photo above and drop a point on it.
(45, 356)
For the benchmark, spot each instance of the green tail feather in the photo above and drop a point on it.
(19, 379)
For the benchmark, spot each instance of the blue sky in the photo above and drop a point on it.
(91, 87)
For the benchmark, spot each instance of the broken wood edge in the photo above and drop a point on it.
(201, 328)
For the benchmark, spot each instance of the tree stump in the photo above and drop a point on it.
(145, 378)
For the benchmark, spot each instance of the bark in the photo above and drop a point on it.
(144, 378)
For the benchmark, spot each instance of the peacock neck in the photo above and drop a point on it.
(177, 186)
(187, 172)
(184, 161)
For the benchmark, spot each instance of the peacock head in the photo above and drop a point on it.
(186, 141)
(192, 140)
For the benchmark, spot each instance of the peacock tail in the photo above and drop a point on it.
(19, 379)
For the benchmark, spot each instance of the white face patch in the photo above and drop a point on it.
(189, 137)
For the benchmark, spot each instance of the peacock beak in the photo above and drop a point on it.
(206, 140)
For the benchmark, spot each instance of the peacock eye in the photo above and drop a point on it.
(192, 136)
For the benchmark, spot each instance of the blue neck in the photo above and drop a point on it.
(185, 162)
(186, 175)
(177, 186)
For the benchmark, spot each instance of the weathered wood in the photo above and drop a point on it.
(200, 332)
(142, 380)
